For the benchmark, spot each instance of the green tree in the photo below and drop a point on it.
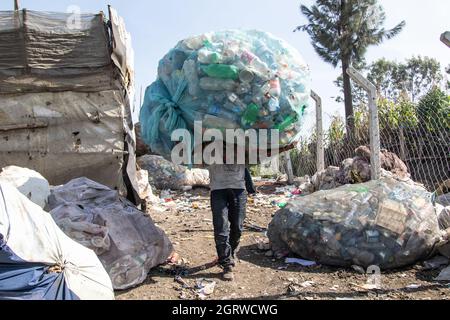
(384, 74)
(341, 31)
(434, 110)
(418, 76)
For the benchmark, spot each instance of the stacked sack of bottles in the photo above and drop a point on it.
(228, 80)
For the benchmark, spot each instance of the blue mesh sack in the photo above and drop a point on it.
(228, 80)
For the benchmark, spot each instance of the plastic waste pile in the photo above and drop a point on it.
(357, 170)
(38, 261)
(388, 223)
(126, 240)
(164, 175)
(228, 80)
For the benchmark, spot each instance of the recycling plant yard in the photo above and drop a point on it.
(147, 157)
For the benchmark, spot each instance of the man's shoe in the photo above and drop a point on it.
(228, 274)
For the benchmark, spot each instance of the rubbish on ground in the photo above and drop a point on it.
(228, 80)
(38, 261)
(126, 240)
(302, 262)
(205, 288)
(369, 286)
(389, 223)
(180, 280)
(164, 174)
(30, 183)
(307, 284)
(174, 258)
(436, 263)
(444, 275)
(269, 253)
(413, 286)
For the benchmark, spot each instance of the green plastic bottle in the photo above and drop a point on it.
(251, 114)
(287, 122)
(222, 71)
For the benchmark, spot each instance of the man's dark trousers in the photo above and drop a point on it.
(229, 210)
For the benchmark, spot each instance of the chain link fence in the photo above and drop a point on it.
(419, 134)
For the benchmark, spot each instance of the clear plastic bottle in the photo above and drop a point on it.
(206, 56)
(215, 84)
(275, 87)
(223, 113)
(214, 122)
(256, 65)
(190, 72)
(274, 104)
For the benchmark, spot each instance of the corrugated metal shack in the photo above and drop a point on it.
(66, 90)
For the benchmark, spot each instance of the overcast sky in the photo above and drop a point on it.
(156, 26)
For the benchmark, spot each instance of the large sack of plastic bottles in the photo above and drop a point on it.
(387, 223)
(228, 80)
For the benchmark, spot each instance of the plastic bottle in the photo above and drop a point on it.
(250, 115)
(215, 84)
(246, 75)
(274, 105)
(207, 57)
(222, 113)
(211, 121)
(190, 72)
(195, 43)
(287, 122)
(221, 71)
(275, 87)
(256, 64)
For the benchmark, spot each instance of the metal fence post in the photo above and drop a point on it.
(320, 161)
(374, 124)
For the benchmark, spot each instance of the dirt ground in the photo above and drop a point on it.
(259, 276)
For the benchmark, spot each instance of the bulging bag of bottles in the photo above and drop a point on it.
(386, 223)
(228, 80)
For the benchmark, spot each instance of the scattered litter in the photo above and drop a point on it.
(269, 253)
(413, 286)
(205, 288)
(307, 284)
(302, 262)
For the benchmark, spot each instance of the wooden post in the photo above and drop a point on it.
(320, 160)
(16, 5)
(374, 124)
